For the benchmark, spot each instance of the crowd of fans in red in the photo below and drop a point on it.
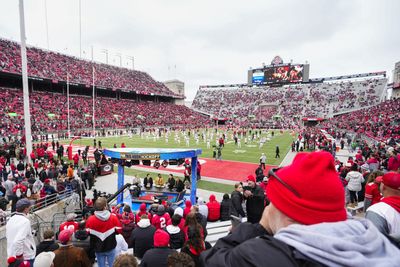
(55, 66)
(380, 122)
(49, 113)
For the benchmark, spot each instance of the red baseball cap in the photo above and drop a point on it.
(64, 236)
(392, 180)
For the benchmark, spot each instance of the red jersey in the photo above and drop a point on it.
(162, 221)
(69, 225)
(372, 192)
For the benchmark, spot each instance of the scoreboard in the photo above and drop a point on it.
(279, 74)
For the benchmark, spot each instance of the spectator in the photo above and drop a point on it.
(237, 201)
(70, 171)
(9, 186)
(68, 255)
(180, 259)
(125, 260)
(142, 211)
(81, 239)
(70, 224)
(385, 215)
(372, 193)
(355, 178)
(188, 206)
(214, 209)
(48, 243)
(122, 246)
(254, 200)
(176, 235)
(158, 256)
(142, 237)
(194, 245)
(20, 242)
(45, 259)
(103, 226)
(225, 209)
(300, 219)
(161, 219)
(203, 209)
(179, 211)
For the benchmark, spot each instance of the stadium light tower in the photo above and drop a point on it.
(105, 51)
(47, 25)
(27, 114)
(120, 58)
(133, 61)
(80, 29)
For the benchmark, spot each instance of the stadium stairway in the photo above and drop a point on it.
(217, 230)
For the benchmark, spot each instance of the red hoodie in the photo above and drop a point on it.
(142, 211)
(188, 205)
(213, 209)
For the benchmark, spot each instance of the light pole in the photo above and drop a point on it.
(80, 29)
(133, 61)
(105, 51)
(120, 58)
(27, 114)
(47, 25)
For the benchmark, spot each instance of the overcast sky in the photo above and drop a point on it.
(216, 41)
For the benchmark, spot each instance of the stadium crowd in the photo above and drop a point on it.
(241, 105)
(55, 66)
(49, 113)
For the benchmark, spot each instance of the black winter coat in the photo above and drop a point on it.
(225, 210)
(46, 246)
(156, 257)
(237, 200)
(142, 240)
(255, 204)
(251, 245)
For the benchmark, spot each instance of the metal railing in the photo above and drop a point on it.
(71, 198)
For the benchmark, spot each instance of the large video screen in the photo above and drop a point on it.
(258, 76)
(284, 74)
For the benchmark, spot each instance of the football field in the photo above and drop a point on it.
(249, 151)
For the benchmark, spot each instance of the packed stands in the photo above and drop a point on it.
(55, 66)
(380, 122)
(49, 113)
(243, 105)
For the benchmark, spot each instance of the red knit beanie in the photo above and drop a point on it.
(314, 177)
(161, 238)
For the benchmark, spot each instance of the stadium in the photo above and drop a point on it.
(108, 165)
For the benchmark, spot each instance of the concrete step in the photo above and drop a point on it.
(213, 231)
(211, 225)
(214, 238)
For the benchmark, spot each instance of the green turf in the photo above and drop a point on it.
(247, 153)
(210, 186)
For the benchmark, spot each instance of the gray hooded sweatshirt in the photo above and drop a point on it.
(348, 243)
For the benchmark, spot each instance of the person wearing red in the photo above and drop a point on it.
(123, 145)
(179, 211)
(213, 209)
(188, 205)
(385, 215)
(103, 226)
(76, 160)
(394, 161)
(161, 219)
(70, 224)
(142, 211)
(372, 193)
(33, 156)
